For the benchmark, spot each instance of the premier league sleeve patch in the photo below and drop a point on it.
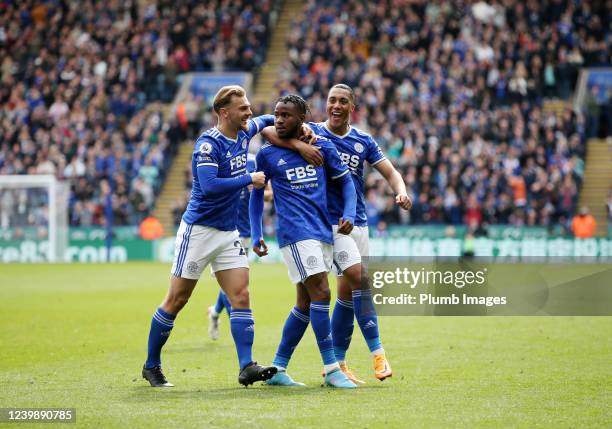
(206, 148)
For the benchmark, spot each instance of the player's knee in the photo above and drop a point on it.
(175, 303)
(303, 303)
(240, 298)
(318, 287)
(352, 275)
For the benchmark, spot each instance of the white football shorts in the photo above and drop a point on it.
(348, 249)
(198, 245)
(306, 258)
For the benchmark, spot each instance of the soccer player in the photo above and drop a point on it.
(304, 235)
(244, 232)
(354, 298)
(207, 234)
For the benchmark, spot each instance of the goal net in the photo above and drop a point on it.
(33, 218)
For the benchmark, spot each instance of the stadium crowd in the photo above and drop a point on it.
(82, 83)
(453, 92)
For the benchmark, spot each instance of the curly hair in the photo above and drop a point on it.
(297, 101)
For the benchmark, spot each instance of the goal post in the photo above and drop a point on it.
(33, 212)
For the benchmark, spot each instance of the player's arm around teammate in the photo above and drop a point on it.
(304, 236)
(208, 235)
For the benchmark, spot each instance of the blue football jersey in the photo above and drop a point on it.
(243, 225)
(300, 191)
(355, 147)
(213, 149)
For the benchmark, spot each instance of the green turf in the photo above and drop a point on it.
(75, 336)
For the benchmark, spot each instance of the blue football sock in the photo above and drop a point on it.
(220, 304)
(342, 327)
(243, 331)
(293, 331)
(366, 318)
(226, 303)
(321, 325)
(161, 325)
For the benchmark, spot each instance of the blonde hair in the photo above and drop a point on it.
(225, 94)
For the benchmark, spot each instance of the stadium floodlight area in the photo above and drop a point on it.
(33, 218)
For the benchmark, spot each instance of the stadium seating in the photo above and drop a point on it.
(453, 93)
(82, 84)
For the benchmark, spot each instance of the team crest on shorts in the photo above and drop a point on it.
(343, 256)
(311, 261)
(193, 267)
(359, 147)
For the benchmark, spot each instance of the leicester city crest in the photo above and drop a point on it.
(358, 147)
(311, 261)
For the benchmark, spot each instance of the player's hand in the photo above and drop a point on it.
(311, 154)
(403, 201)
(259, 179)
(260, 249)
(345, 226)
(308, 135)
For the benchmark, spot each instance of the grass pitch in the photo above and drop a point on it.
(75, 336)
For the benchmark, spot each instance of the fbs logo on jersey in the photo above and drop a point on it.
(281, 162)
(301, 174)
(351, 160)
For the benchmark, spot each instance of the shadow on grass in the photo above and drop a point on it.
(149, 394)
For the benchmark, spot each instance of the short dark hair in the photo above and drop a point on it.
(296, 100)
(346, 88)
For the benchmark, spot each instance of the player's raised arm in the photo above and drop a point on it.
(395, 180)
(257, 124)
(310, 153)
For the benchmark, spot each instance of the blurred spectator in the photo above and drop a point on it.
(452, 92)
(151, 228)
(76, 77)
(593, 110)
(609, 208)
(584, 224)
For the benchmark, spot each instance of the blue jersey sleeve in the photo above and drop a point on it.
(257, 124)
(207, 167)
(251, 163)
(206, 153)
(316, 127)
(336, 169)
(375, 154)
(256, 202)
(261, 163)
(349, 196)
(210, 184)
